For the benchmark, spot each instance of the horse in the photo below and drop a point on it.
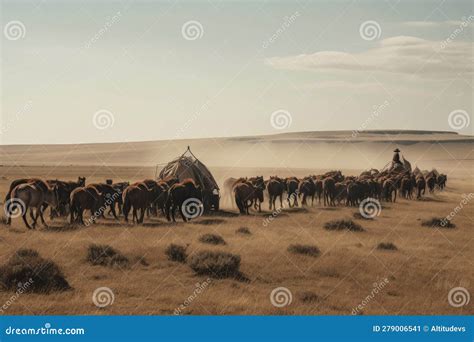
(329, 190)
(389, 190)
(40, 184)
(307, 188)
(442, 178)
(275, 188)
(185, 193)
(229, 184)
(245, 195)
(33, 196)
(110, 196)
(431, 182)
(420, 186)
(136, 197)
(85, 198)
(291, 184)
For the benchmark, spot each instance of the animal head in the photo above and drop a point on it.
(81, 181)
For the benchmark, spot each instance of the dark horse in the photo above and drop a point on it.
(246, 194)
(185, 196)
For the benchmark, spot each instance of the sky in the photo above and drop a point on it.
(105, 71)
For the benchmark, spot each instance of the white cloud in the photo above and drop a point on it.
(402, 55)
(436, 24)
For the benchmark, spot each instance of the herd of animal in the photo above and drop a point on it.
(333, 188)
(72, 198)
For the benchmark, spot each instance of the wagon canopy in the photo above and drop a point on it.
(190, 167)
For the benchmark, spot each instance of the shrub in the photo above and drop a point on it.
(28, 272)
(343, 224)
(309, 297)
(304, 249)
(387, 246)
(438, 223)
(176, 253)
(105, 255)
(212, 239)
(243, 230)
(215, 264)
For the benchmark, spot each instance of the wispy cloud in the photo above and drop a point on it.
(402, 54)
(438, 24)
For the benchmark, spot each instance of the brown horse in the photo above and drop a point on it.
(245, 195)
(64, 192)
(185, 196)
(85, 198)
(137, 197)
(275, 188)
(31, 196)
(34, 181)
(110, 196)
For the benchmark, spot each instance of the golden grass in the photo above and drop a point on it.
(427, 264)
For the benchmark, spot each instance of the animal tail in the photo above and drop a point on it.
(168, 204)
(239, 204)
(126, 206)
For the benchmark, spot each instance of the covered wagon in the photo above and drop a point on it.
(188, 166)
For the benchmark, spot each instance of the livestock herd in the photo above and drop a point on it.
(72, 198)
(333, 188)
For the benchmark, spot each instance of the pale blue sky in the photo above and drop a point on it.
(158, 85)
